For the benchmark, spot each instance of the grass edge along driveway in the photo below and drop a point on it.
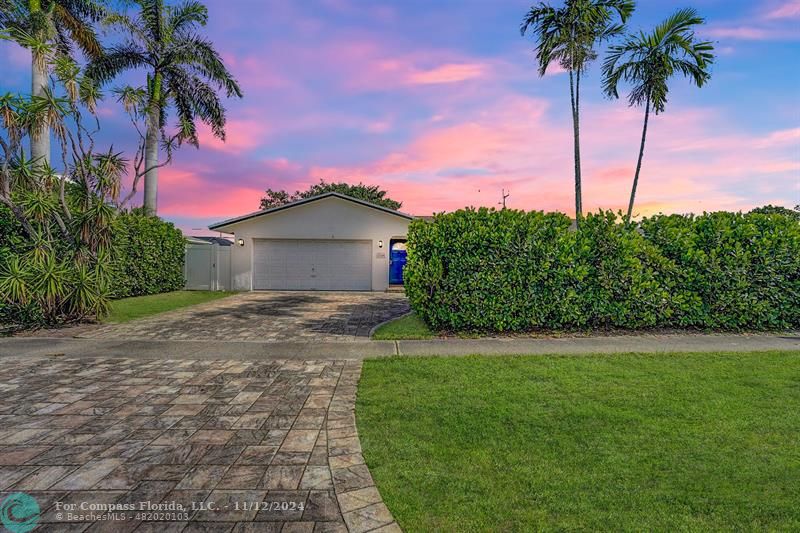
(127, 309)
(624, 442)
(407, 327)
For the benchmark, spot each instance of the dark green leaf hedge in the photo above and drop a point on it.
(149, 256)
(511, 271)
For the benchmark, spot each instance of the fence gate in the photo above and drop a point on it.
(200, 267)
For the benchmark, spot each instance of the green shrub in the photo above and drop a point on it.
(621, 279)
(734, 271)
(149, 256)
(507, 270)
(486, 269)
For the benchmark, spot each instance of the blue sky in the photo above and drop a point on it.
(439, 102)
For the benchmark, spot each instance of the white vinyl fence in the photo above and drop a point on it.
(207, 267)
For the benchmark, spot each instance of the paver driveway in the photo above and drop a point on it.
(277, 439)
(268, 316)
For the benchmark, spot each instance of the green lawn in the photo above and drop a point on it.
(689, 442)
(406, 327)
(128, 309)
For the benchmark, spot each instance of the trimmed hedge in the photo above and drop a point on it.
(149, 258)
(511, 271)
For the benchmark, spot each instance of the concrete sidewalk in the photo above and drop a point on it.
(172, 349)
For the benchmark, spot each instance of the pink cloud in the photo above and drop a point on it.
(788, 10)
(240, 135)
(515, 145)
(776, 24)
(448, 73)
(749, 33)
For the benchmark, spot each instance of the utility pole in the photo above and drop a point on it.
(505, 195)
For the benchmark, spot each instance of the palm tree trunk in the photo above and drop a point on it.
(577, 128)
(151, 164)
(639, 162)
(576, 138)
(40, 140)
(151, 149)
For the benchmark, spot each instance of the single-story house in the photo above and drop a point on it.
(326, 242)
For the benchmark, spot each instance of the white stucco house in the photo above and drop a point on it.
(326, 242)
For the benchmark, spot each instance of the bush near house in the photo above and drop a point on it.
(513, 271)
(149, 256)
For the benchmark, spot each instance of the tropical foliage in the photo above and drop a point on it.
(649, 61)
(50, 29)
(184, 73)
(779, 210)
(57, 259)
(567, 36)
(507, 270)
(368, 193)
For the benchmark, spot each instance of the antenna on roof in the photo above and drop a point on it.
(505, 195)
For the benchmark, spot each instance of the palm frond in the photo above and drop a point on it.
(182, 17)
(151, 14)
(115, 61)
(80, 32)
(198, 52)
(648, 60)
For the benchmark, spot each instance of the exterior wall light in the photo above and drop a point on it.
(240, 242)
(380, 244)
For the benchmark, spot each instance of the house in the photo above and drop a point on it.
(326, 242)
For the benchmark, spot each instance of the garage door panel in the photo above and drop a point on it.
(312, 265)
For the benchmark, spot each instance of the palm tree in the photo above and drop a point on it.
(648, 61)
(45, 26)
(567, 36)
(184, 71)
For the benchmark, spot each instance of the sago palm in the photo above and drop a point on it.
(46, 26)
(184, 71)
(567, 36)
(648, 61)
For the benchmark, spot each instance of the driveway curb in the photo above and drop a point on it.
(358, 350)
(202, 350)
(602, 345)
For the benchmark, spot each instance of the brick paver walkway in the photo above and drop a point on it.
(268, 316)
(240, 445)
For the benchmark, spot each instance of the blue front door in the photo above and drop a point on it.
(397, 261)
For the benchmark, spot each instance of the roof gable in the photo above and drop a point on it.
(304, 201)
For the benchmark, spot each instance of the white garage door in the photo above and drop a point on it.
(324, 265)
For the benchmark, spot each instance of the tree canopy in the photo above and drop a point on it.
(369, 193)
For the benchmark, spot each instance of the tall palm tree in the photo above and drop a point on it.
(183, 70)
(648, 61)
(45, 26)
(567, 36)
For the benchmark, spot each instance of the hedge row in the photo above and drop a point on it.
(149, 256)
(511, 271)
(148, 253)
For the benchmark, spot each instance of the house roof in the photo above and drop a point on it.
(222, 241)
(219, 225)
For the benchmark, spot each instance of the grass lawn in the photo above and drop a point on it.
(128, 309)
(406, 327)
(627, 442)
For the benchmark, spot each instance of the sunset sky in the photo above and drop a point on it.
(438, 101)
